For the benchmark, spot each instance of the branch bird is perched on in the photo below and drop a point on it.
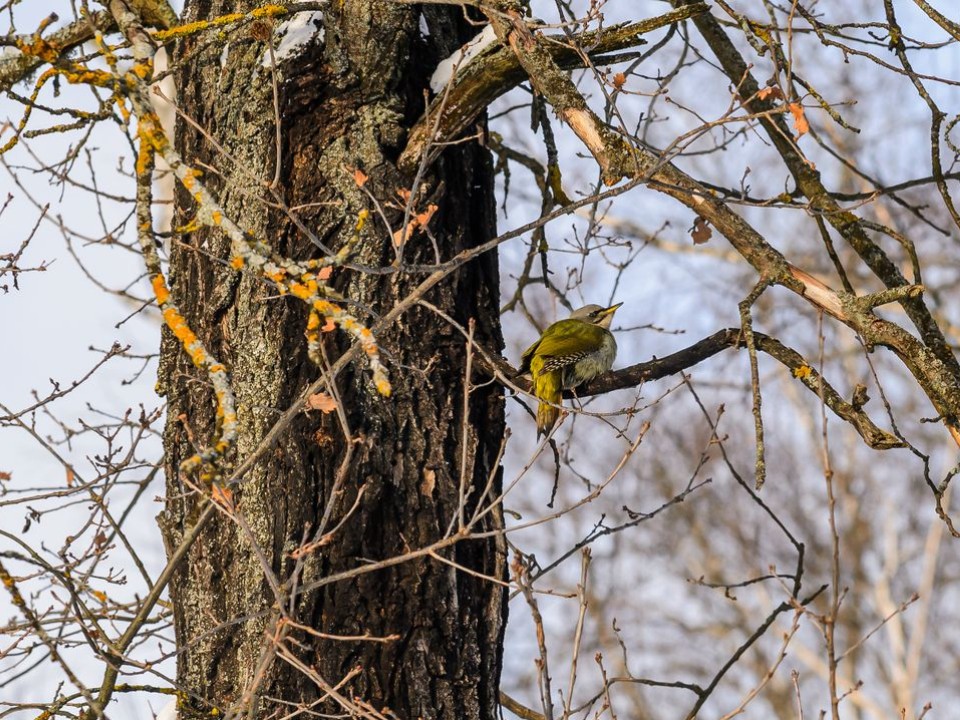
(569, 353)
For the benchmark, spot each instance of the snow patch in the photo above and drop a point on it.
(461, 58)
(9, 53)
(224, 54)
(295, 34)
(424, 28)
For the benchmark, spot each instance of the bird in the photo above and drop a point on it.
(569, 353)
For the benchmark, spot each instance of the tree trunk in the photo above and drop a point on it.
(345, 104)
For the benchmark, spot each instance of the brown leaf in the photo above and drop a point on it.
(423, 219)
(100, 595)
(401, 236)
(260, 30)
(322, 402)
(222, 496)
(328, 326)
(701, 231)
(772, 92)
(360, 177)
(325, 272)
(429, 482)
(800, 123)
(4, 475)
(70, 477)
(618, 80)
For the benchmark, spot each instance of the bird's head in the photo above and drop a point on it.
(596, 314)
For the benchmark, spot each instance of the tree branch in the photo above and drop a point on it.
(657, 368)
(930, 361)
(14, 68)
(846, 223)
(498, 70)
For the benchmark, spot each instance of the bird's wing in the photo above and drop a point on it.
(565, 344)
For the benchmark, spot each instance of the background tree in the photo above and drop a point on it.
(336, 462)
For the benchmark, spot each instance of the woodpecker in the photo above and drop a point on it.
(569, 353)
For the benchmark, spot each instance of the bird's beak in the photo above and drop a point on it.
(610, 310)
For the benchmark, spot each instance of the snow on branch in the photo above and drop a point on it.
(461, 58)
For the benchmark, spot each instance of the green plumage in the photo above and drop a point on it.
(569, 353)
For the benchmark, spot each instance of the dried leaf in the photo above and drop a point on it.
(360, 177)
(404, 194)
(800, 123)
(325, 272)
(772, 92)
(423, 219)
(222, 496)
(618, 80)
(70, 477)
(328, 326)
(516, 566)
(259, 29)
(429, 482)
(400, 237)
(322, 402)
(99, 595)
(5, 476)
(701, 231)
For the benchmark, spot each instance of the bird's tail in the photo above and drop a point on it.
(547, 387)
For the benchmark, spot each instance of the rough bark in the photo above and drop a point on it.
(345, 104)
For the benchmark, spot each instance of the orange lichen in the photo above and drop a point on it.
(144, 154)
(100, 78)
(39, 48)
(151, 131)
(122, 107)
(304, 291)
(179, 328)
(190, 227)
(201, 25)
(324, 307)
(236, 262)
(160, 288)
(142, 69)
(269, 11)
(37, 87)
(383, 387)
